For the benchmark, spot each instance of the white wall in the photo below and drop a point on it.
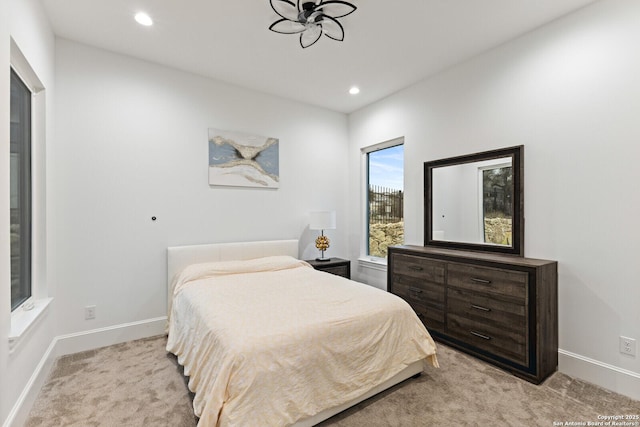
(5, 279)
(131, 143)
(569, 92)
(455, 203)
(31, 32)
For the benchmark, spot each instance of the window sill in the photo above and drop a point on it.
(22, 320)
(373, 263)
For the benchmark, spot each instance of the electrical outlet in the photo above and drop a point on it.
(628, 346)
(90, 312)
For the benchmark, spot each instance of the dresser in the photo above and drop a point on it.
(500, 308)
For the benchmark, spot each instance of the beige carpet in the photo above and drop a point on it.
(139, 384)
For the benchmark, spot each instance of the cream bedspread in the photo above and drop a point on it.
(271, 341)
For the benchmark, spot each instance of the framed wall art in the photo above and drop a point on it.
(243, 160)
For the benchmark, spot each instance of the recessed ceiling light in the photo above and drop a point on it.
(354, 90)
(143, 19)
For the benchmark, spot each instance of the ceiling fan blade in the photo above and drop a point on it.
(310, 36)
(285, 9)
(332, 28)
(336, 8)
(286, 26)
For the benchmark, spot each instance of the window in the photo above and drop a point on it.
(385, 197)
(20, 191)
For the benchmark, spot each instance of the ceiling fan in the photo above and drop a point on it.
(311, 19)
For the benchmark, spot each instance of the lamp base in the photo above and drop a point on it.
(323, 259)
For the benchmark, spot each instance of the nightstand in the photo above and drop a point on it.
(337, 266)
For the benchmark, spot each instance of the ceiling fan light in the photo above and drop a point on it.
(311, 19)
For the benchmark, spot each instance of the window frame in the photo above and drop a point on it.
(32, 310)
(364, 245)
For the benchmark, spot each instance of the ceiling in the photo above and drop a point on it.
(388, 45)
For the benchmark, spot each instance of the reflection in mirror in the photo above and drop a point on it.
(475, 201)
(497, 207)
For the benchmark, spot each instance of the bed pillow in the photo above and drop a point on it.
(221, 268)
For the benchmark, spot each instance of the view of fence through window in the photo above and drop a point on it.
(385, 199)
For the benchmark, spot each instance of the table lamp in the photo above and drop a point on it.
(325, 220)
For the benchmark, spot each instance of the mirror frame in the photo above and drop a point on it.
(517, 155)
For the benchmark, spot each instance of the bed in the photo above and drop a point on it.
(267, 340)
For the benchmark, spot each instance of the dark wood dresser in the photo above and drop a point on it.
(500, 308)
(337, 266)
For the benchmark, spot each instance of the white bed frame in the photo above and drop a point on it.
(179, 257)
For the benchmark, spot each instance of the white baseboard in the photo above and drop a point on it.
(96, 338)
(608, 376)
(75, 343)
(20, 411)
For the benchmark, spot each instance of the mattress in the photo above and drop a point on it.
(272, 341)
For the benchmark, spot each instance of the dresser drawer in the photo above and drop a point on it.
(509, 344)
(419, 267)
(489, 310)
(432, 318)
(420, 291)
(426, 299)
(488, 280)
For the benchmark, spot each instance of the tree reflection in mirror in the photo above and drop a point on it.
(497, 204)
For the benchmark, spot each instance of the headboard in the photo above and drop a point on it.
(179, 257)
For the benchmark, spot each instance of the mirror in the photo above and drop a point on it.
(476, 202)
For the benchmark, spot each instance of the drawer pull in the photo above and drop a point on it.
(479, 335)
(416, 290)
(479, 307)
(483, 281)
(415, 267)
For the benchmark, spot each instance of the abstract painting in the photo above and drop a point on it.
(242, 159)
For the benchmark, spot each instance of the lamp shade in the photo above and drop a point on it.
(322, 220)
